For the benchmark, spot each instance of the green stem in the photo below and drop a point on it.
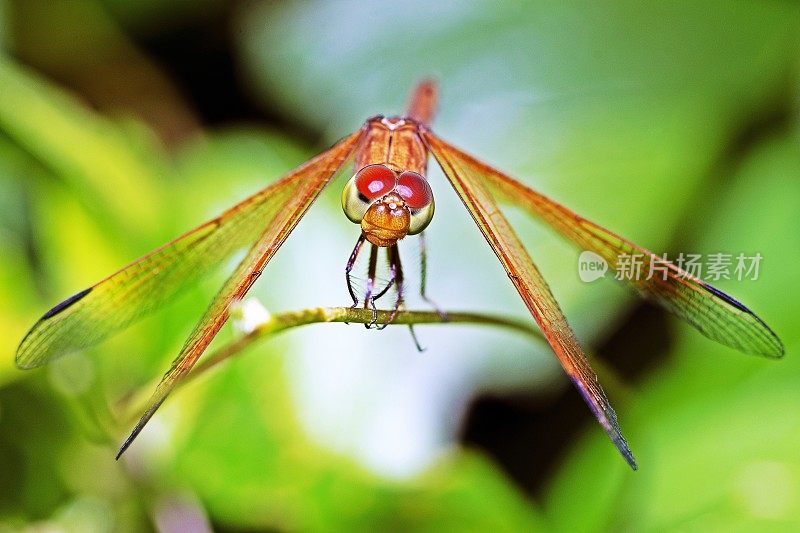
(292, 319)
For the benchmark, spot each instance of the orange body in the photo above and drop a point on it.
(396, 143)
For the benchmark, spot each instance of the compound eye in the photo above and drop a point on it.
(414, 189)
(374, 181)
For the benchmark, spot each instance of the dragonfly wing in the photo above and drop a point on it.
(530, 284)
(153, 280)
(290, 199)
(714, 313)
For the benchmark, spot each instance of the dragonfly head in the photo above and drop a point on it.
(388, 205)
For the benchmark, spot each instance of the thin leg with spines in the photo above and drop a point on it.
(393, 253)
(392, 274)
(369, 300)
(349, 268)
(397, 268)
(423, 276)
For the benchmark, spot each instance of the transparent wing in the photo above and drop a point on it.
(714, 313)
(306, 184)
(148, 283)
(469, 184)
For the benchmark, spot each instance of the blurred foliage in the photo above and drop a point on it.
(681, 118)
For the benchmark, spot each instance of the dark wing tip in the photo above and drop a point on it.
(124, 446)
(135, 432)
(65, 304)
(26, 359)
(772, 346)
(727, 297)
(157, 399)
(622, 446)
(605, 414)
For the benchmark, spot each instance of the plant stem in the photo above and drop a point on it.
(283, 321)
(292, 319)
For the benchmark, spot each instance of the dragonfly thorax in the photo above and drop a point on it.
(388, 204)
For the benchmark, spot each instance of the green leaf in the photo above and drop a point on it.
(114, 170)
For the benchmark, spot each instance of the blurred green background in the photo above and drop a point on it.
(124, 123)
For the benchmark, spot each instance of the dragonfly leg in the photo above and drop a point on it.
(423, 277)
(374, 320)
(349, 268)
(420, 347)
(369, 299)
(397, 275)
(396, 268)
(394, 278)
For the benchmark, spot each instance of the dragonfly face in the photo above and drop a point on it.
(388, 205)
(389, 195)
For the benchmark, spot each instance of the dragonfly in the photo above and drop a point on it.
(390, 198)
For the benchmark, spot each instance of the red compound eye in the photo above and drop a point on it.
(414, 189)
(375, 181)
